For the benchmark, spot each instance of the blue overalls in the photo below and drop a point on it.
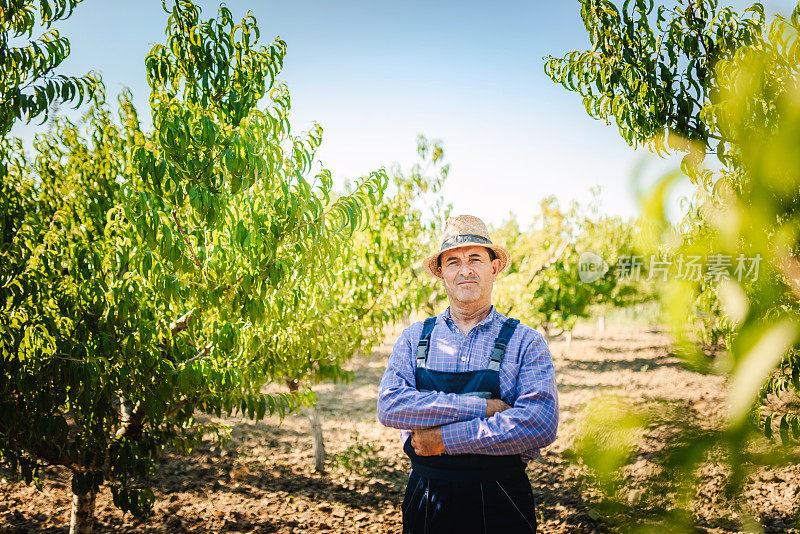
(466, 493)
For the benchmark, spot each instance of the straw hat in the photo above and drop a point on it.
(465, 231)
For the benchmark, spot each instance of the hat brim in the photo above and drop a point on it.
(431, 266)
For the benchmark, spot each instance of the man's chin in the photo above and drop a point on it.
(468, 296)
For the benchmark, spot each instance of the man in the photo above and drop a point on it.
(474, 393)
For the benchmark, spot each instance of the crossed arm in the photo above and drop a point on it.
(446, 422)
(429, 441)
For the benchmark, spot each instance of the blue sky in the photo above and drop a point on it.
(377, 74)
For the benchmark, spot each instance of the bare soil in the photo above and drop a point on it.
(263, 479)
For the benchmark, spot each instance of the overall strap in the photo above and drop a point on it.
(425, 342)
(499, 350)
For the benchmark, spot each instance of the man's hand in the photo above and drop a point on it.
(494, 406)
(428, 441)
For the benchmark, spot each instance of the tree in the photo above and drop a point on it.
(714, 82)
(166, 268)
(382, 281)
(544, 285)
(375, 283)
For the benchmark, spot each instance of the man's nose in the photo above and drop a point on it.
(465, 269)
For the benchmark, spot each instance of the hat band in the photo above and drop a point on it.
(466, 238)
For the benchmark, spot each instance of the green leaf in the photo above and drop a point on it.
(784, 430)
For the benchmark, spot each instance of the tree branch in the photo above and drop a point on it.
(546, 265)
(182, 323)
(55, 457)
(708, 134)
(186, 241)
(180, 405)
(49, 454)
(133, 428)
(200, 355)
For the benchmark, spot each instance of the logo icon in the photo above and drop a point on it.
(591, 267)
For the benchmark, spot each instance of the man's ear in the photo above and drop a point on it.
(496, 266)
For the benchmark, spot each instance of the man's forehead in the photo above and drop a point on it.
(463, 252)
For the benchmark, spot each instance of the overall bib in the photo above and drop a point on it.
(466, 493)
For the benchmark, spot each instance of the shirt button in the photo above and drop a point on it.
(463, 359)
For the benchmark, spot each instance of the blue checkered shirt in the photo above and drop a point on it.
(527, 384)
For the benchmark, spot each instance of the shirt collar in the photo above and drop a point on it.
(489, 319)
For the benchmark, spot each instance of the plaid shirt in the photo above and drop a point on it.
(527, 384)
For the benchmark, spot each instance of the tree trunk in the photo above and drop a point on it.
(82, 519)
(601, 325)
(125, 409)
(316, 429)
(316, 435)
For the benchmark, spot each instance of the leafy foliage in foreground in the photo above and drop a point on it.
(745, 109)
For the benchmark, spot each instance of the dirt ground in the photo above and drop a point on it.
(263, 480)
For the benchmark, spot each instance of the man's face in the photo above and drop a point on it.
(469, 275)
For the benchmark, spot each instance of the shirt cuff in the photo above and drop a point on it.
(472, 407)
(457, 437)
